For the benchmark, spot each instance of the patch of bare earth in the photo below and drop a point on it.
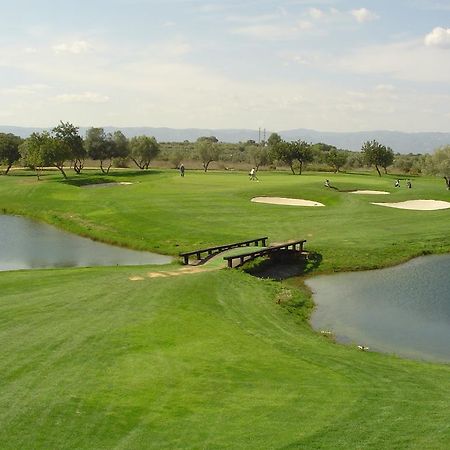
(172, 273)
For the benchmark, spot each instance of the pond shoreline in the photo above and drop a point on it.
(398, 307)
(30, 244)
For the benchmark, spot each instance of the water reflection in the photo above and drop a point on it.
(403, 310)
(25, 244)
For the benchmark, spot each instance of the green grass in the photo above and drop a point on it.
(165, 213)
(92, 360)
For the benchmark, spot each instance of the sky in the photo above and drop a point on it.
(328, 65)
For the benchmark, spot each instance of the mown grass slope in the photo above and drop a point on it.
(91, 359)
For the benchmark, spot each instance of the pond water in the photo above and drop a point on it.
(26, 244)
(403, 310)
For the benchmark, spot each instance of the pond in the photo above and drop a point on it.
(404, 310)
(26, 244)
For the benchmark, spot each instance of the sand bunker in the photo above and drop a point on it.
(418, 205)
(96, 185)
(370, 192)
(285, 201)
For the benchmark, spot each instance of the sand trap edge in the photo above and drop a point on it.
(417, 205)
(365, 192)
(285, 201)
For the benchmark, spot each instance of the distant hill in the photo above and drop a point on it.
(421, 142)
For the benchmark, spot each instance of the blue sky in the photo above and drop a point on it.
(329, 65)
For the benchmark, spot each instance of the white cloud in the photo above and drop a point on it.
(316, 13)
(75, 47)
(25, 89)
(170, 49)
(410, 61)
(269, 32)
(253, 19)
(85, 97)
(363, 15)
(384, 88)
(439, 37)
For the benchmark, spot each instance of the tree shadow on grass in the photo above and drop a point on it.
(134, 173)
(88, 179)
(282, 265)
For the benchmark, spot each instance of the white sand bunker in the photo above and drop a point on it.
(370, 192)
(418, 205)
(286, 201)
(96, 185)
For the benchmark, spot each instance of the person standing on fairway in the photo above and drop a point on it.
(182, 169)
(253, 174)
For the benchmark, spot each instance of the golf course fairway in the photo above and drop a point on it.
(114, 357)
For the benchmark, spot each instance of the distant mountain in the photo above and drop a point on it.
(421, 142)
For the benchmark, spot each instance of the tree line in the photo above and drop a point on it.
(63, 146)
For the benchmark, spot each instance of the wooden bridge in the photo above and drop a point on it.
(210, 251)
(241, 258)
(294, 246)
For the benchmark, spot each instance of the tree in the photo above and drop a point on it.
(43, 149)
(302, 152)
(377, 155)
(273, 140)
(387, 158)
(55, 152)
(142, 150)
(207, 151)
(122, 148)
(68, 133)
(32, 154)
(336, 159)
(282, 151)
(212, 139)
(105, 147)
(439, 164)
(259, 156)
(9, 150)
(294, 153)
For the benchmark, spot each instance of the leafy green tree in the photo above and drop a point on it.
(302, 153)
(274, 140)
(42, 149)
(336, 159)
(377, 155)
(32, 152)
(142, 150)
(439, 164)
(208, 151)
(212, 139)
(105, 147)
(284, 152)
(122, 148)
(9, 150)
(68, 134)
(259, 155)
(294, 154)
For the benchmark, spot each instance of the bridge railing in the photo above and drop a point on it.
(297, 246)
(221, 248)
